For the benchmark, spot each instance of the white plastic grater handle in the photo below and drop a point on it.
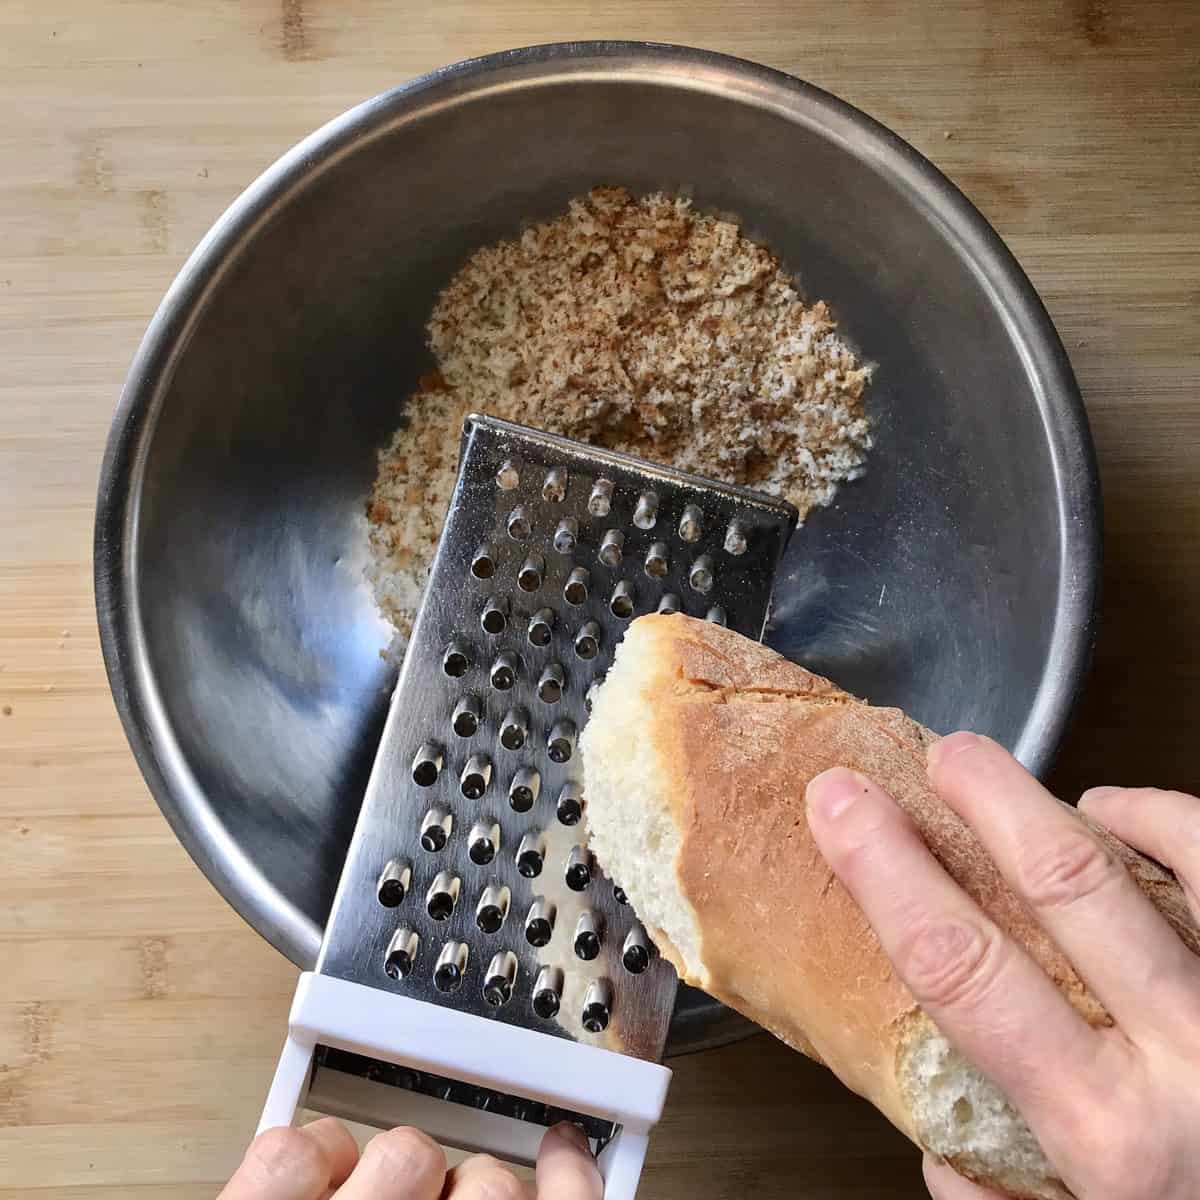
(426, 1037)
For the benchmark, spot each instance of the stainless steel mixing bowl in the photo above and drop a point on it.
(956, 579)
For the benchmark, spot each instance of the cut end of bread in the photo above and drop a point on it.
(963, 1118)
(639, 841)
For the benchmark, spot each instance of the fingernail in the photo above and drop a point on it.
(1097, 793)
(832, 792)
(574, 1135)
(947, 747)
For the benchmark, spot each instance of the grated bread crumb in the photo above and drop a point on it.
(635, 324)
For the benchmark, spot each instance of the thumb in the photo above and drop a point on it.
(945, 1183)
(566, 1169)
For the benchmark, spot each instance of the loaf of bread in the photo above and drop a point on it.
(696, 758)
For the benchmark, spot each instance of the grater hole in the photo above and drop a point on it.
(635, 953)
(621, 603)
(529, 577)
(514, 729)
(716, 615)
(492, 909)
(427, 765)
(519, 525)
(597, 1006)
(494, 618)
(442, 896)
(547, 992)
(691, 524)
(612, 549)
(539, 923)
(451, 966)
(561, 743)
(619, 894)
(483, 842)
(531, 854)
(466, 716)
(497, 991)
(476, 776)
(736, 542)
(566, 535)
(587, 641)
(523, 792)
(570, 805)
(575, 590)
(504, 671)
(456, 662)
(670, 603)
(483, 562)
(501, 975)
(435, 829)
(508, 477)
(554, 487)
(656, 564)
(645, 515)
(588, 931)
(394, 883)
(701, 575)
(541, 627)
(551, 683)
(579, 869)
(401, 953)
(600, 499)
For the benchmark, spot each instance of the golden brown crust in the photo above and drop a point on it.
(740, 731)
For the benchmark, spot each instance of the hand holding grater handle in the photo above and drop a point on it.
(362, 1020)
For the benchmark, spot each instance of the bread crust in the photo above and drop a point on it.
(739, 732)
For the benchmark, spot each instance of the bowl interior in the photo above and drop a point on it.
(935, 583)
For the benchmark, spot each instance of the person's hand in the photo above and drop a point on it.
(1116, 1110)
(321, 1162)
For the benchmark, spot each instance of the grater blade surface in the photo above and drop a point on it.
(468, 882)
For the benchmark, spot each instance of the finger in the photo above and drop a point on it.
(1164, 825)
(566, 1169)
(341, 1150)
(1081, 894)
(945, 1183)
(482, 1177)
(290, 1164)
(984, 993)
(401, 1164)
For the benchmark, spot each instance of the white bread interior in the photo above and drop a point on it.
(696, 756)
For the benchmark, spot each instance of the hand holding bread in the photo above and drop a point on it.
(1015, 988)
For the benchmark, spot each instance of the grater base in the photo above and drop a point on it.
(629, 1092)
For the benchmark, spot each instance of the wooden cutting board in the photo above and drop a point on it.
(139, 1018)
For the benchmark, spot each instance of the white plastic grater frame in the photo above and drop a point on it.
(350, 1016)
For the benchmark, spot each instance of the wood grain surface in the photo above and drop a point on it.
(139, 1018)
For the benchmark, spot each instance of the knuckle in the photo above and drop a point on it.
(1117, 1138)
(951, 963)
(1070, 867)
(286, 1152)
(407, 1153)
(1129, 1163)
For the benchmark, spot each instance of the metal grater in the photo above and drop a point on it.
(468, 884)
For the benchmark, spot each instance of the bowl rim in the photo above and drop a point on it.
(130, 673)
